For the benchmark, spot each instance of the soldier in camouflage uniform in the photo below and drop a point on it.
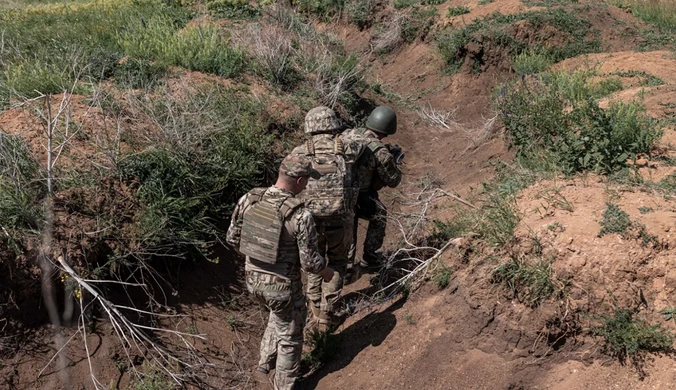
(331, 200)
(277, 234)
(377, 168)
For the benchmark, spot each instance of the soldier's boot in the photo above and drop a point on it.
(262, 378)
(372, 261)
(353, 274)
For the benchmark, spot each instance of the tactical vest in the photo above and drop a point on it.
(367, 164)
(262, 228)
(330, 195)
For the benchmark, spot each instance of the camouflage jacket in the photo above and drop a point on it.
(351, 152)
(299, 227)
(376, 167)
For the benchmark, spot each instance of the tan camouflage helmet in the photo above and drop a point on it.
(298, 166)
(321, 120)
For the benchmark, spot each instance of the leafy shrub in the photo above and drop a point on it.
(359, 12)
(457, 11)
(557, 115)
(627, 336)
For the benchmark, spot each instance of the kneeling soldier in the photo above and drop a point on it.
(277, 234)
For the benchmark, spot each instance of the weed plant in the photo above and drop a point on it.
(555, 117)
(457, 11)
(442, 277)
(325, 347)
(628, 336)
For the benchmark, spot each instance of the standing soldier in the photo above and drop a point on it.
(277, 234)
(377, 168)
(331, 200)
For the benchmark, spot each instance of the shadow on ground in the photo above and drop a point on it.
(373, 329)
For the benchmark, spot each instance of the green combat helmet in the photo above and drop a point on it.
(382, 120)
(321, 120)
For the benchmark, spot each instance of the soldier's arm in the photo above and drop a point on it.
(387, 169)
(235, 230)
(306, 236)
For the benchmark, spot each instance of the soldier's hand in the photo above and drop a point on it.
(327, 274)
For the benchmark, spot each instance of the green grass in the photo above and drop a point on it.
(645, 79)
(661, 13)
(22, 190)
(359, 12)
(530, 62)
(555, 117)
(213, 149)
(615, 220)
(421, 20)
(626, 335)
(48, 48)
(493, 32)
(442, 277)
(530, 281)
(457, 11)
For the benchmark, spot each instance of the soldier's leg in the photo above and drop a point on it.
(339, 238)
(268, 350)
(269, 345)
(375, 235)
(289, 322)
(314, 282)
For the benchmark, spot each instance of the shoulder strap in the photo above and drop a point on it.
(256, 194)
(375, 145)
(288, 206)
(310, 147)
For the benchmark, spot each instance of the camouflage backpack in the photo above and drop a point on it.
(329, 196)
(263, 223)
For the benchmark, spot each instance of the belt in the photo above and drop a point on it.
(266, 278)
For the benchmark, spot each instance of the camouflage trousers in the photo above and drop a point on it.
(282, 343)
(334, 240)
(371, 209)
